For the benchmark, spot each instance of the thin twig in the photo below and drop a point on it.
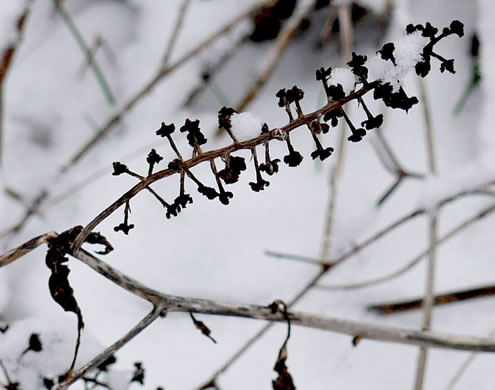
(283, 40)
(469, 360)
(142, 325)
(5, 372)
(430, 269)
(290, 256)
(209, 74)
(175, 32)
(416, 260)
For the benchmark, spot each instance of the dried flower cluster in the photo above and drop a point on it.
(318, 123)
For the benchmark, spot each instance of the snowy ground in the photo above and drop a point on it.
(53, 104)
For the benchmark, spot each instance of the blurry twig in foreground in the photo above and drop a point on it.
(86, 50)
(6, 57)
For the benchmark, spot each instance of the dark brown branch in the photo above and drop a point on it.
(443, 299)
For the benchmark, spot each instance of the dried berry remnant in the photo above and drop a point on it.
(323, 75)
(392, 99)
(202, 327)
(260, 183)
(322, 153)
(387, 52)
(119, 169)
(373, 122)
(357, 134)
(48, 383)
(282, 97)
(175, 164)
(294, 158)
(209, 192)
(333, 116)
(153, 159)
(269, 166)
(138, 374)
(224, 116)
(165, 130)
(336, 92)
(294, 94)
(183, 200)
(357, 66)
(34, 344)
(233, 168)
(194, 135)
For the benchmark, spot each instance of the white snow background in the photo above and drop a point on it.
(52, 104)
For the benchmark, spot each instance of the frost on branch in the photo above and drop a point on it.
(383, 75)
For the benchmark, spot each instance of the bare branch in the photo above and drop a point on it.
(171, 303)
(417, 259)
(142, 325)
(14, 254)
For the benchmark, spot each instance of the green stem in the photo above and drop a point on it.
(87, 52)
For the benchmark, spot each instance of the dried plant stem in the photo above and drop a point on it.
(283, 40)
(142, 325)
(278, 133)
(150, 85)
(332, 198)
(171, 303)
(175, 32)
(430, 269)
(415, 260)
